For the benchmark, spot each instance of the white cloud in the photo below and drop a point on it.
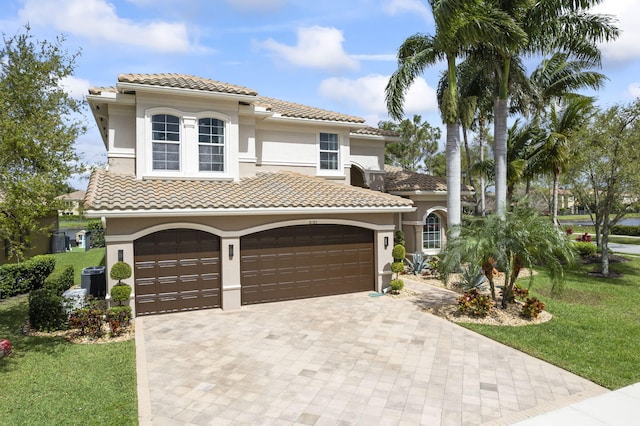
(418, 7)
(317, 47)
(257, 6)
(634, 90)
(77, 88)
(98, 20)
(627, 12)
(367, 94)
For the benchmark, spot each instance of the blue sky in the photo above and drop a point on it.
(331, 54)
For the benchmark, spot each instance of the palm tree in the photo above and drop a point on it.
(559, 77)
(549, 26)
(517, 240)
(556, 151)
(460, 24)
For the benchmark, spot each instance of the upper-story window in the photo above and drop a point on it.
(165, 137)
(431, 235)
(329, 149)
(211, 145)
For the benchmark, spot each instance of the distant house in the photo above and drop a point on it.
(40, 242)
(220, 197)
(72, 203)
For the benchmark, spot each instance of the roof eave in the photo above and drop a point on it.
(244, 211)
(148, 88)
(338, 123)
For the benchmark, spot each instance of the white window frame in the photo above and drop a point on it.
(225, 145)
(439, 232)
(167, 142)
(339, 170)
(189, 144)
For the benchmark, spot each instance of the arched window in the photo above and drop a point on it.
(211, 145)
(165, 136)
(431, 235)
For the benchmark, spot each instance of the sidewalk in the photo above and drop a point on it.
(617, 408)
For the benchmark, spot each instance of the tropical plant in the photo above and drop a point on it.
(560, 131)
(459, 25)
(549, 26)
(474, 303)
(519, 240)
(472, 276)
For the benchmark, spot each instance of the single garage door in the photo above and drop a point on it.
(176, 270)
(306, 261)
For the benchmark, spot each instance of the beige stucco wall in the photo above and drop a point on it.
(120, 234)
(367, 154)
(413, 222)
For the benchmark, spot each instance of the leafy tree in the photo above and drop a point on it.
(517, 240)
(419, 143)
(37, 133)
(605, 169)
(459, 25)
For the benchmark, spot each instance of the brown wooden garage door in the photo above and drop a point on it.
(306, 261)
(177, 270)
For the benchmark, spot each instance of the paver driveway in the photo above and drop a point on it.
(349, 359)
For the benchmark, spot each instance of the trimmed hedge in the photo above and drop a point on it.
(20, 278)
(46, 310)
(62, 281)
(584, 248)
(97, 233)
(631, 230)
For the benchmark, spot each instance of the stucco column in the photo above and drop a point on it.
(230, 271)
(418, 238)
(112, 255)
(384, 258)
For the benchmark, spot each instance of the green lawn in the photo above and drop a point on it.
(50, 381)
(80, 259)
(595, 331)
(75, 222)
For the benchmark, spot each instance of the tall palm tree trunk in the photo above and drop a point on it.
(483, 203)
(500, 154)
(556, 184)
(453, 174)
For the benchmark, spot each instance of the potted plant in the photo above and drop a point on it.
(121, 291)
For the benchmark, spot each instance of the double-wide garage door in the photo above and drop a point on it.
(177, 270)
(306, 261)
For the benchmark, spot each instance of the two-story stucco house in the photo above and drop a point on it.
(220, 197)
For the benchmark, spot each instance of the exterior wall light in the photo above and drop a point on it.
(386, 242)
(230, 251)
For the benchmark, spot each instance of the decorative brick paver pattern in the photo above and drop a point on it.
(349, 359)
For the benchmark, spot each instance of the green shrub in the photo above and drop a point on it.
(20, 278)
(584, 248)
(474, 303)
(397, 267)
(398, 253)
(631, 230)
(120, 271)
(46, 310)
(118, 318)
(532, 308)
(396, 285)
(61, 281)
(97, 233)
(398, 238)
(120, 293)
(88, 321)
